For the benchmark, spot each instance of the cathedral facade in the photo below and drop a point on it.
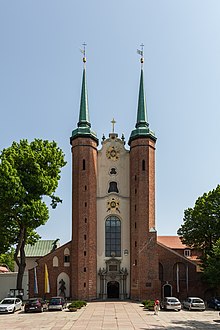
(114, 253)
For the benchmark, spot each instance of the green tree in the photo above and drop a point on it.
(212, 266)
(7, 259)
(201, 224)
(28, 173)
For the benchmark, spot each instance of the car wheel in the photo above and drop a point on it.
(178, 310)
(13, 310)
(216, 308)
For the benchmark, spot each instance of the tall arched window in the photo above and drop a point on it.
(112, 237)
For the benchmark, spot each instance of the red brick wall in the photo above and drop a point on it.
(168, 261)
(144, 258)
(53, 272)
(84, 218)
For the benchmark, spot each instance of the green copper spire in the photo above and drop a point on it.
(142, 109)
(142, 126)
(84, 109)
(84, 126)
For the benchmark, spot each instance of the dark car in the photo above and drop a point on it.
(35, 305)
(214, 303)
(56, 303)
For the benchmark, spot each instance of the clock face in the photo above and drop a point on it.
(112, 153)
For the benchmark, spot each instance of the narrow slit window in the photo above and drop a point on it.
(143, 165)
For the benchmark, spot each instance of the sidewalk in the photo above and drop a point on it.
(129, 316)
(120, 315)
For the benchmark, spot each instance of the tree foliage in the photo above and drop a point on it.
(7, 259)
(212, 266)
(201, 227)
(28, 173)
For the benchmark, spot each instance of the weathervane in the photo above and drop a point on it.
(141, 52)
(113, 125)
(83, 51)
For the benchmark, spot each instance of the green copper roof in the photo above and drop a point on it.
(142, 109)
(84, 109)
(84, 126)
(142, 126)
(41, 248)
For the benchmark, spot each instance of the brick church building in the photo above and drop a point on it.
(115, 252)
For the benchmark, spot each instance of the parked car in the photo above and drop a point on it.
(56, 303)
(10, 305)
(35, 305)
(171, 303)
(194, 303)
(214, 303)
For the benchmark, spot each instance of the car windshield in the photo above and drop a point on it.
(197, 301)
(55, 301)
(7, 301)
(31, 301)
(173, 300)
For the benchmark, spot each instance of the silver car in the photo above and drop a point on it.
(171, 303)
(194, 303)
(10, 305)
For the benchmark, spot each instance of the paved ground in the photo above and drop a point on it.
(110, 316)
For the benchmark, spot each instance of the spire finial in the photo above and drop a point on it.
(113, 125)
(83, 51)
(141, 52)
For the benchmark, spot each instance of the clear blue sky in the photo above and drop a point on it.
(40, 82)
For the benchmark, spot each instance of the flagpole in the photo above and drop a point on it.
(46, 280)
(35, 281)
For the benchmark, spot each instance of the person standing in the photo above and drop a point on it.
(156, 306)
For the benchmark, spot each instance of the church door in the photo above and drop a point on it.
(113, 289)
(167, 290)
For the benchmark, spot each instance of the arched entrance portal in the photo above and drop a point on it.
(167, 290)
(113, 289)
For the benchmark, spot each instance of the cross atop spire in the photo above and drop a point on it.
(83, 51)
(113, 125)
(141, 53)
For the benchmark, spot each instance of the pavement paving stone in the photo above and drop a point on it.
(120, 315)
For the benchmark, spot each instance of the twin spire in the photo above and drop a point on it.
(84, 127)
(142, 125)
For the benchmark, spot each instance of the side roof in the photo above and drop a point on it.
(41, 248)
(172, 242)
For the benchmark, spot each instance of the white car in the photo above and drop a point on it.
(10, 305)
(171, 303)
(194, 303)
